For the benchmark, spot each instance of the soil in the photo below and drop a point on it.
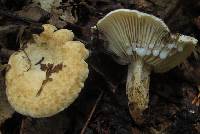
(102, 106)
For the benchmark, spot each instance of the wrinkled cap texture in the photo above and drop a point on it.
(132, 34)
(48, 75)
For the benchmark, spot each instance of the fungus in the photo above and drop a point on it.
(48, 75)
(145, 43)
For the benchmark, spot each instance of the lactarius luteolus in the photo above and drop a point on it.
(145, 43)
(48, 75)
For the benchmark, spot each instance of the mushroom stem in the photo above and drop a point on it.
(137, 88)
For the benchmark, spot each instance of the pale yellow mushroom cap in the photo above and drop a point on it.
(48, 75)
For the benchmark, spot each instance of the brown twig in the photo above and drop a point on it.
(196, 100)
(50, 69)
(22, 127)
(91, 113)
(40, 61)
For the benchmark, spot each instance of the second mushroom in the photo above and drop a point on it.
(145, 43)
(48, 74)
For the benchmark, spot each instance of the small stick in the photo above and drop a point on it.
(91, 113)
(22, 127)
(23, 124)
(196, 100)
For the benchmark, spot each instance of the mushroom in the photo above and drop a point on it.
(48, 75)
(145, 43)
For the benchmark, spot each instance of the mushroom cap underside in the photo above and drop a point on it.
(132, 34)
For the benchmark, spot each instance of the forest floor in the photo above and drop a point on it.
(102, 106)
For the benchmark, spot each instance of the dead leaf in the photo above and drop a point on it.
(50, 69)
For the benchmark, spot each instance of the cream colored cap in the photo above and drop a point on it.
(48, 75)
